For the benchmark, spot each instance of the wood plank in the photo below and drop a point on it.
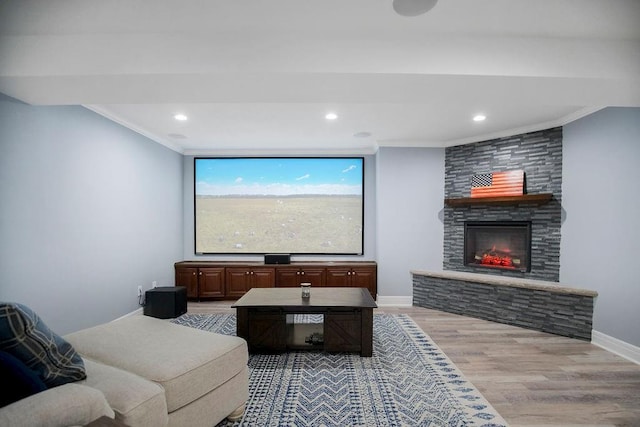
(538, 199)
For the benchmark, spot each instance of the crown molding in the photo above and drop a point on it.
(114, 118)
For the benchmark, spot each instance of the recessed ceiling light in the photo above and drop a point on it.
(362, 134)
(181, 117)
(331, 116)
(479, 118)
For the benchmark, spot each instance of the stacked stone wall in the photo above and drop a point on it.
(563, 314)
(539, 154)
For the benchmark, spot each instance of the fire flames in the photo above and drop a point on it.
(497, 258)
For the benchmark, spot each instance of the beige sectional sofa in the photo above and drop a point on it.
(144, 372)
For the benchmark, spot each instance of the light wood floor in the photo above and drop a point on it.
(531, 378)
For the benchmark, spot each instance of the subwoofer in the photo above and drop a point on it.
(165, 302)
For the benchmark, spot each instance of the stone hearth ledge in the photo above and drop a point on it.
(514, 282)
(544, 306)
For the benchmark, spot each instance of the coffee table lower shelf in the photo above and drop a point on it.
(305, 336)
(341, 331)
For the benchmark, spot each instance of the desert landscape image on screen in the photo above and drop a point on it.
(279, 205)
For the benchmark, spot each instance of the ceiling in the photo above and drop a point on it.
(260, 75)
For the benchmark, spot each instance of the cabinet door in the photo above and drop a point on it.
(343, 331)
(262, 278)
(315, 276)
(188, 277)
(338, 277)
(287, 277)
(267, 332)
(237, 281)
(363, 277)
(211, 282)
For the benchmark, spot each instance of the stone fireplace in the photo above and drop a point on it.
(539, 154)
(502, 257)
(501, 245)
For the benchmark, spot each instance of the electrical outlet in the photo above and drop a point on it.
(139, 291)
(154, 284)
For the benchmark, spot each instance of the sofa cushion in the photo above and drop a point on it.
(18, 381)
(215, 406)
(68, 405)
(187, 362)
(24, 335)
(135, 400)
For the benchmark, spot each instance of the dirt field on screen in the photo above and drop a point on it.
(285, 225)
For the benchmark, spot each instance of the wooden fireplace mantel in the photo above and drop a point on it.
(537, 199)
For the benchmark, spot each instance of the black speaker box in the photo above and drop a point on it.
(277, 259)
(166, 302)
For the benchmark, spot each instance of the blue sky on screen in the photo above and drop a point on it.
(278, 177)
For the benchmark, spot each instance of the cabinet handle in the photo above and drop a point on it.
(194, 273)
(201, 273)
(302, 273)
(246, 272)
(297, 273)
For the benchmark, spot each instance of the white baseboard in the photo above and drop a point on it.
(395, 301)
(133, 313)
(614, 345)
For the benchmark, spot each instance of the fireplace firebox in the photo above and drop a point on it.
(502, 245)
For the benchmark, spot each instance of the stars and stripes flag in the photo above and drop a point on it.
(497, 184)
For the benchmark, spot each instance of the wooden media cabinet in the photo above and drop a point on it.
(232, 279)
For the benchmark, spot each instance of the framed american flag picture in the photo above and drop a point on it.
(496, 184)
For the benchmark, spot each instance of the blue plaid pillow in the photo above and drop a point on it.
(18, 381)
(26, 337)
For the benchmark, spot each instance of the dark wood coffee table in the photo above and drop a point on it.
(266, 318)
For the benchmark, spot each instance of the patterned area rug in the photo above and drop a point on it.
(409, 381)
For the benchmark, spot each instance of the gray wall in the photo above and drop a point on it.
(369, 220)
(410, 198)
(600, 244)
(89, 210)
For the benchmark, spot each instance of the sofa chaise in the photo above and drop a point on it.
(144, 372)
